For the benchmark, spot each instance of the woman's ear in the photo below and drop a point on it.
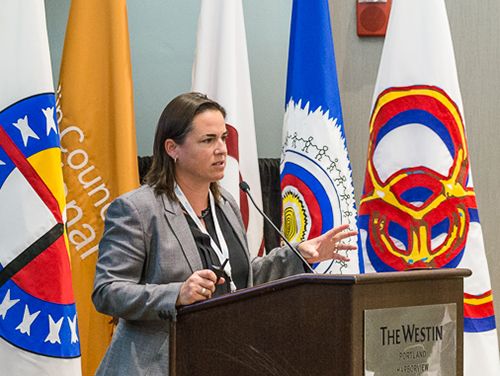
(170, 147)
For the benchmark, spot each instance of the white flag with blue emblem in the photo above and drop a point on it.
(418, 208)
(316, 181)
(38, 322)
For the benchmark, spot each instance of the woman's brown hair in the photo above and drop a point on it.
(175, 122)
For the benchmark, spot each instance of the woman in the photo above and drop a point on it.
(161, 240)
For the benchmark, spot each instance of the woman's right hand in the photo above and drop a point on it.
(199, 286)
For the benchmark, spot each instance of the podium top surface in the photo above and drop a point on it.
(327, 279)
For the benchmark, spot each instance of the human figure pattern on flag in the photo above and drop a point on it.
(418, 208)
(316, 181)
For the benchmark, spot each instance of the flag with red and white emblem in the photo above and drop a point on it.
(221, 72)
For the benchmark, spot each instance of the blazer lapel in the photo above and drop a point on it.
(235, 224)
(180, 228)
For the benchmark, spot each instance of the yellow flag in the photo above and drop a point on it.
(99, 152)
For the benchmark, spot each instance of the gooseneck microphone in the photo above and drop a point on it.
(246, 188)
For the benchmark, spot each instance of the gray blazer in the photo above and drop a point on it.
(146, 253)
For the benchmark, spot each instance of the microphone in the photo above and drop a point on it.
(246, 188)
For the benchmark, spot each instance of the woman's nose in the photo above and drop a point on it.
(221, 147)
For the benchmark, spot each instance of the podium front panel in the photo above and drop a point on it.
(302, 325)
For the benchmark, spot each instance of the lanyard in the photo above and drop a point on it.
(222, 252)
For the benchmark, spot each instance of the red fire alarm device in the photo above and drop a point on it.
(372, 16)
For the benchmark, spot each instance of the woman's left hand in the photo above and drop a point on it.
(326, 246)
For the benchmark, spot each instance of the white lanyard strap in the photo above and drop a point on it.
(223, 251)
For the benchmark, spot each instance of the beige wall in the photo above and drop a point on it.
(476, 32)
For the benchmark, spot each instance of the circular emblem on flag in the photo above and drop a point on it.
(37, 308)
(418, 200)
(309, 198)
(295, 214)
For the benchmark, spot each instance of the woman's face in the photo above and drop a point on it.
(201, 159)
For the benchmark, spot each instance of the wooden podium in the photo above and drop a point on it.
(307, 324)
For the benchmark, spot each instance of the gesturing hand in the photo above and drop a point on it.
(199, 286)
(326, 246)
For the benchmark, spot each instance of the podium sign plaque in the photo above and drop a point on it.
(419, 340)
